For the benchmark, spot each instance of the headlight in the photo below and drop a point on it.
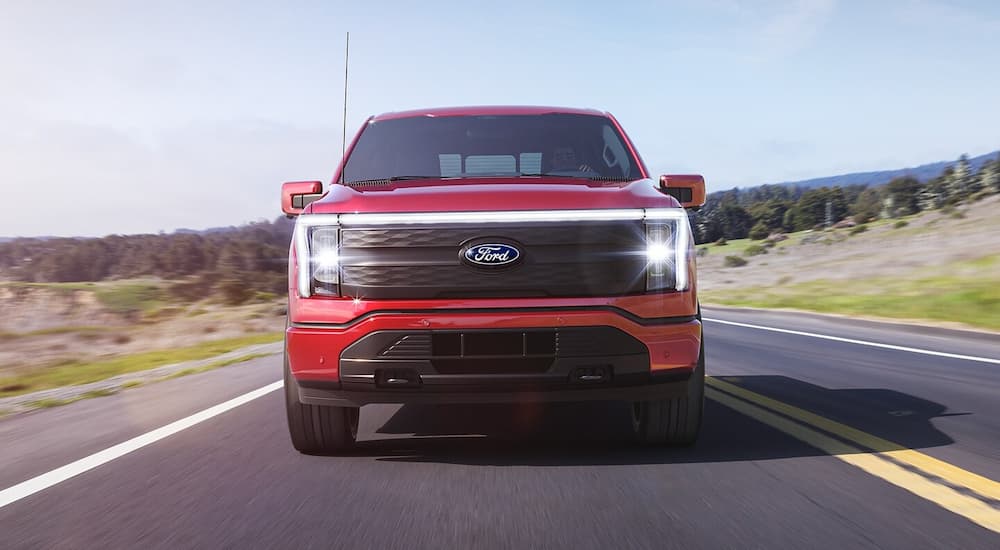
(324, 255)
(317, 247)
(667, 241)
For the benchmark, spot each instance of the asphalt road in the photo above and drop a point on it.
(807, 443)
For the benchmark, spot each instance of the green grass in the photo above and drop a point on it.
(130, 297)
(50, 403)
(970, 295)
(71, 372)
(235, 360)
(186, 372)
(739, 246)
(115, 296)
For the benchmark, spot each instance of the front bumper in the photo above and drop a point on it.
(567, 355)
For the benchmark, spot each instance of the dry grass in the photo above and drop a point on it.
(935, 267)
(56, 334)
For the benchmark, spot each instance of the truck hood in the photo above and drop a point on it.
(491, 194)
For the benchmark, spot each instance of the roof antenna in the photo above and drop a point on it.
(343, 139)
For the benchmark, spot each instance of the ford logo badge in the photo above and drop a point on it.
(491, 254)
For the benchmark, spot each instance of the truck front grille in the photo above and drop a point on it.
(559, 260)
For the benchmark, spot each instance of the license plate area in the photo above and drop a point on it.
(499, 344)
(493, 352)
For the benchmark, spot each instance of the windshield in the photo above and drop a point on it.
(557, 144)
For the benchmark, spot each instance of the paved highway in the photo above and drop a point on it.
(813, 438)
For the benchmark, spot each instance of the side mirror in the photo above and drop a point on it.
(689, 190)
(296, 195)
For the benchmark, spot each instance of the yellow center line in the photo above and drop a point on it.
(966, 506)
(952, 474)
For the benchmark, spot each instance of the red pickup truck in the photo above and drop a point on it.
(490, 255)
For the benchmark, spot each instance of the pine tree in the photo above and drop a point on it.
(867, 206)
(990, 175)
(904, 194)
(933, 194)
(975, 182)
(958, 183)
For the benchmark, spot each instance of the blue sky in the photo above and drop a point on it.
(124, 117)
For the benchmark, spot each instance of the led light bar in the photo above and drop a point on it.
(516, 216)
(305, 222)
(665, 214)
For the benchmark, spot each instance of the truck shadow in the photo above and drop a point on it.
(597, 433)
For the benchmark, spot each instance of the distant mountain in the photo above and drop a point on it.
(923, 173)
(40, 238)
(280, 221)
(207, 231)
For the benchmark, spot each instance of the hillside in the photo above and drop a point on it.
(940, 265)
(923, 172)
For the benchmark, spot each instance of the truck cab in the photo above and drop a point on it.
(492, 255)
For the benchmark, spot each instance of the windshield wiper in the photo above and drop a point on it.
(591, 178)
(386, 181)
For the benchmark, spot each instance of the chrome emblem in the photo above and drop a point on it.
(491, 254)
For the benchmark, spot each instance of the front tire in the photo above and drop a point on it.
(318, 429)
(675, 421)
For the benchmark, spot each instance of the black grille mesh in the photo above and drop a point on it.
(580, 259)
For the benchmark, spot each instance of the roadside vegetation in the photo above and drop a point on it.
(905, 250)
(973, 301)
(61, 334)
(73, 372)
(234, 262)
(757, 213)
(936, 268)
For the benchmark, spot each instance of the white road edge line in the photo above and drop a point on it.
(860, 342)
(48, 479)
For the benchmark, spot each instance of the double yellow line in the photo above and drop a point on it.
(970, 495)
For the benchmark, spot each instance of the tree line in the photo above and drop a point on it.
(255, 255)
(760, 211)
